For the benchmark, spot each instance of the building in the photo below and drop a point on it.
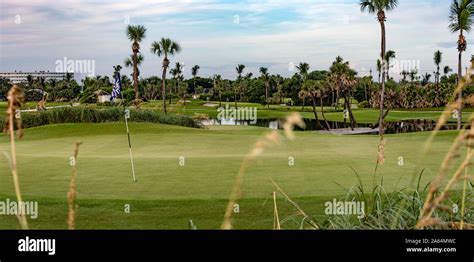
(19, 76)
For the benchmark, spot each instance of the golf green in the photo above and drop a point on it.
(187, 174)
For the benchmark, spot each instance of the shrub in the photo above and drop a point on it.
(363, 104)
(93, 115)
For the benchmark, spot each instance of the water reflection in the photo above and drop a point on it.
(406, 126)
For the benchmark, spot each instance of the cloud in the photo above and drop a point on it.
(270, 33)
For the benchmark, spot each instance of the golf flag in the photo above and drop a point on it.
(117, 87)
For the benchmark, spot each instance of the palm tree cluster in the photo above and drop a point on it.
(380, 7)
(165, 48)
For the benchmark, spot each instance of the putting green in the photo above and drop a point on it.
(167, 194)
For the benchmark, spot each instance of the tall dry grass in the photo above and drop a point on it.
(438, 193)
(72, 193)
(270, 139)
(13, 120)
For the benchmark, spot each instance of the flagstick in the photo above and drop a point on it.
(130, 148)
(129, 141)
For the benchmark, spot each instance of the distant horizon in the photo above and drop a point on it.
(218, 35)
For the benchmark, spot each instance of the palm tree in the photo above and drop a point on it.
(323, 89)
(303, 70)
(129, 63)
(389, 56)
(266, 79)
(176, 72)
(342, 77)
(437, 58)
(117, 70)
(426, 79)
(379, 7)
(413, 74)
(379, 69)
(194, 72)
(135, 34)
(309, 89)
(165, 47)
(31, 81)
(240, 70)
(447, 70)
(217, 88)
(42, 83)
(404, 75)
(460, 19)
(315, 89)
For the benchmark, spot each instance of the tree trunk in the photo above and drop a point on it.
(351, 115)
(328, 127)
(135, 75)
(163, 84)
(266, 95)
(382, 92)
(235, 98)
(460, 102)
(171, 90)
(318, 124)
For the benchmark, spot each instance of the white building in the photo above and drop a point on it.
(19, 76)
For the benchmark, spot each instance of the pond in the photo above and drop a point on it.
(405, 126)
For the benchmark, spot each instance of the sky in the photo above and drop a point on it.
(218, 34)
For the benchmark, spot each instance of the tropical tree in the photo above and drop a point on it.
(413, 74)
(379, 69)
(303, 71)
(128, 62)
(447, 70)
(165, 47)
(30, 81)
(135, 33)
(182, 91)
(314, 90)
(460, 18)
(240, 70)
(437, 58)
(194, 72)
(117, 70)
(404, 75)
(342, 77)
(425, 79)
(280, 91)
(218, 88)
(265, 76)
(380, 7)
(176, 72)
(388, 57)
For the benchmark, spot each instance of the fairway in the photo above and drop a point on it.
(187, 174)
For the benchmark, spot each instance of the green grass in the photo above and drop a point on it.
(167, 195)
(277, 111)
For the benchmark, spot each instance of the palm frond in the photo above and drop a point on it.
(136, 33)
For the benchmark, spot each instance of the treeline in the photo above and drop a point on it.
(264, 89)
